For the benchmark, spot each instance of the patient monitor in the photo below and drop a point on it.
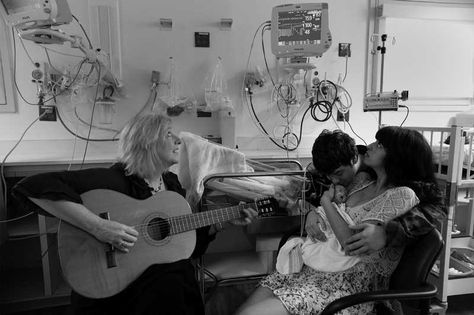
(300, 30)
(29, 14)
(35, 20)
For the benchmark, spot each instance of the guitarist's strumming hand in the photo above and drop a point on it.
(119, 235)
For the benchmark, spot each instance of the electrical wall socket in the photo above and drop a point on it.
(342, 117)
(344, 49)
(50, 113)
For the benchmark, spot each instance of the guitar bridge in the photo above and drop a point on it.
(110, 257)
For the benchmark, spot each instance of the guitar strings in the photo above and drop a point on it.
(182, 219)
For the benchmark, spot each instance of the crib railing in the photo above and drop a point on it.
(466, 174)
(446, 158)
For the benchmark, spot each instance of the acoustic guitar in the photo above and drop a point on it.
(167, 234)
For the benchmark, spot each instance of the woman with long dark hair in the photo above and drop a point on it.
(404, 178)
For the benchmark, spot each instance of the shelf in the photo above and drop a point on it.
(460, 235)
(461, 286)
(466, 241)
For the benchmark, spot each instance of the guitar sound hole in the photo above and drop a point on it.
(158, 229)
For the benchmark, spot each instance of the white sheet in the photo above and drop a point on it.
(199, 158)
(441, 155)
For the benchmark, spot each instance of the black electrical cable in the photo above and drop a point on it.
(324, 107)
(18, 89)
(92, 115)
(83, 31)
(68, 86)
(49, 61)
(266, 27)
(245, 85)
(350, 126)
(81, 137)
(301, 124)
(87, 37)
(283, 147)
(291, 96)
(26, 51)
(320, 88)
(406, 116)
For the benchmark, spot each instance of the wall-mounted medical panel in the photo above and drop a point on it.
(104, 21)
(7, 92)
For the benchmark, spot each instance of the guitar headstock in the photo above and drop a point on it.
(266, 206)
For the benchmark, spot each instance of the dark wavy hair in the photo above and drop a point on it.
(333, 149)
(409, 162)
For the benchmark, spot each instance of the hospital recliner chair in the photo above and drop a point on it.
(408, 283)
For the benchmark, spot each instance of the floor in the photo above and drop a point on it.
(225, 300)
(461, 305)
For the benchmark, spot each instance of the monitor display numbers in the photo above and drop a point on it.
(300, 30)
(299, 27)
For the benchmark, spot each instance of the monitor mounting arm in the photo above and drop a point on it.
(51, 36)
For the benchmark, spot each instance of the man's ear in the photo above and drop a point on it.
(355, 159)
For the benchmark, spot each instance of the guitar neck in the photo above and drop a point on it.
(184, 223)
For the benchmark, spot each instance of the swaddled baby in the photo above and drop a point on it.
(327, 256)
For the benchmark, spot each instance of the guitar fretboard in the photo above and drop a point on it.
(183, 223)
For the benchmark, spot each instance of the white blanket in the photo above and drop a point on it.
(325, 256)
(199, 158)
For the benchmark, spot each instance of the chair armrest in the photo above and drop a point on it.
(426, 291)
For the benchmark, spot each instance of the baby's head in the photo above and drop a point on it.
(339, 194)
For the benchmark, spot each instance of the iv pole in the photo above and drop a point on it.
(383, 50)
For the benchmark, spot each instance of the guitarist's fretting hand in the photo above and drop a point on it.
(121, 236)
(249, 215)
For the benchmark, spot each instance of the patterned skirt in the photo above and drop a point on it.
(309, 291)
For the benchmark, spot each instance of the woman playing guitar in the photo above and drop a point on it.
(148, 147)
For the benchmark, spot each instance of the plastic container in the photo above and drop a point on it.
(462, 270)
(464, 255)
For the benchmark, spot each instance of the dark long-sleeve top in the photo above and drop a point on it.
(158, 288)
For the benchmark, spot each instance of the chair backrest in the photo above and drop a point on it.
(417, 260)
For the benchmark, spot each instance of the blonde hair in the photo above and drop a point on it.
(140, 142)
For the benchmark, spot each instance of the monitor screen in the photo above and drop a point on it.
(15, 6)
(28, 14)
(299, 27)
(300, 30)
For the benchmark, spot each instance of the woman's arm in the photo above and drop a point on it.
(112, 232)
(395, 226)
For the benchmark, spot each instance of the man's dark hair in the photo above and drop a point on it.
(333, 149)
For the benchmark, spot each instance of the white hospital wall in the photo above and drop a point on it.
(145, 48)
